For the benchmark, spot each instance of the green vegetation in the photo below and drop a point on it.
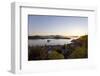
(37, 53)
(80, 51)
(77, 49)
(55, 55)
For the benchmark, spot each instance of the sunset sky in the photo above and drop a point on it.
(57, 25)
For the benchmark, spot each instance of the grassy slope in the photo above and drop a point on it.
(80, 51)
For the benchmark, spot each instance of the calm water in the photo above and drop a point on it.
(34, 42)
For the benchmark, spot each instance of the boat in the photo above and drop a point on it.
(48, 40)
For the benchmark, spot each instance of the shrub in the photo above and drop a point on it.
(55, 55)
(37, 53)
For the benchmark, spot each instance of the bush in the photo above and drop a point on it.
(37, 53)
(79, 52)
(55, 55)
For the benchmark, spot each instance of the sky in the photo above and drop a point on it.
(57, 25)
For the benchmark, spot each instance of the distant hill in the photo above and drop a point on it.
(48, 37)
